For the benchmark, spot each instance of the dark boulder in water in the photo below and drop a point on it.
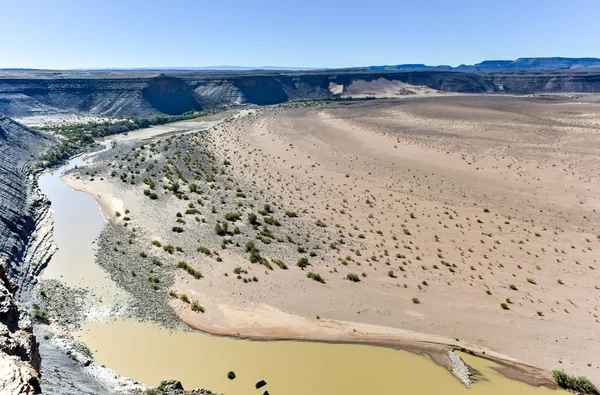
(261, 384)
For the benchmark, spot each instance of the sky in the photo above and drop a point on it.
(66, 34)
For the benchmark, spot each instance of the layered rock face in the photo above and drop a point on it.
(20, 212)
(147, 93)
(20, 208)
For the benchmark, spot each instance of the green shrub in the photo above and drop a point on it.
(504, 306)
(272, 221)
(291, 214)
(177, 229)
(197, 307)
(232, 217)
(302, 262)
(279, 263)
(316, 277)
(169, 248)
(353, 277)
(252, 219)
(575, 384)
(416, 300)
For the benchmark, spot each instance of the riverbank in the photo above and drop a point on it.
(245, 315)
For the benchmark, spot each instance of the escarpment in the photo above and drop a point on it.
(20, 207)
(138, 93)
(20, 212)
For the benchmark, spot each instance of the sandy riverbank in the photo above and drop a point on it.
(470, 202)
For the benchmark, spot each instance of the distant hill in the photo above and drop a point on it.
(555, 63)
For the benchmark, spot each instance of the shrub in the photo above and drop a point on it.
(232, 217)
(279, 263)
(416, 300)
(169, 248)
(250, 246)
(513, 287)
(406, 232)
(531, 280)
(184, 298)
(177, 229)
(291, 214)
(221, 228)
(391, 274)
(156, 243)
(302, 262)
(252, 219)
(320, 223)
(575, 384)
(272, 221)
(353, 277)
(504, 306)
(197, 307)
(316, 277)
(173, 294)
(205, 251)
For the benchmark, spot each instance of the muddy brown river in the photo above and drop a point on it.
(149, 353)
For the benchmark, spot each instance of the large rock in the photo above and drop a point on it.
(19, 355)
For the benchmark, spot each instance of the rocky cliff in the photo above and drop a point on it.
(21, 211)
(146, 93)
(20, 208)
(19, 355)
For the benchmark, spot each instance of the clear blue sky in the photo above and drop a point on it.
(313, 33)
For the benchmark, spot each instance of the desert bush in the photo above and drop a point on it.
(272, 221)
(416, 300)
(169, 248)
(574, 384)
(252, 219)
(302, 262)
(232, 217)
(353, 277)
(279, 263)
(197, 307)
(291, 214)
(316, 277)
(177, 229)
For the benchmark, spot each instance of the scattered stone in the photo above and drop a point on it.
(261, 384)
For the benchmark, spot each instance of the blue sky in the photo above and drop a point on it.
(312, 33)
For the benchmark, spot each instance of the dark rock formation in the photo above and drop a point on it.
(20, 207)
(261, 384)
(170, 385)
(20, 212)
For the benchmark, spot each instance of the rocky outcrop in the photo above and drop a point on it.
(21, 208)
(19, 355)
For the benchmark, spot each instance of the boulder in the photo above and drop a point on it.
(261, 384)
(170, 385)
